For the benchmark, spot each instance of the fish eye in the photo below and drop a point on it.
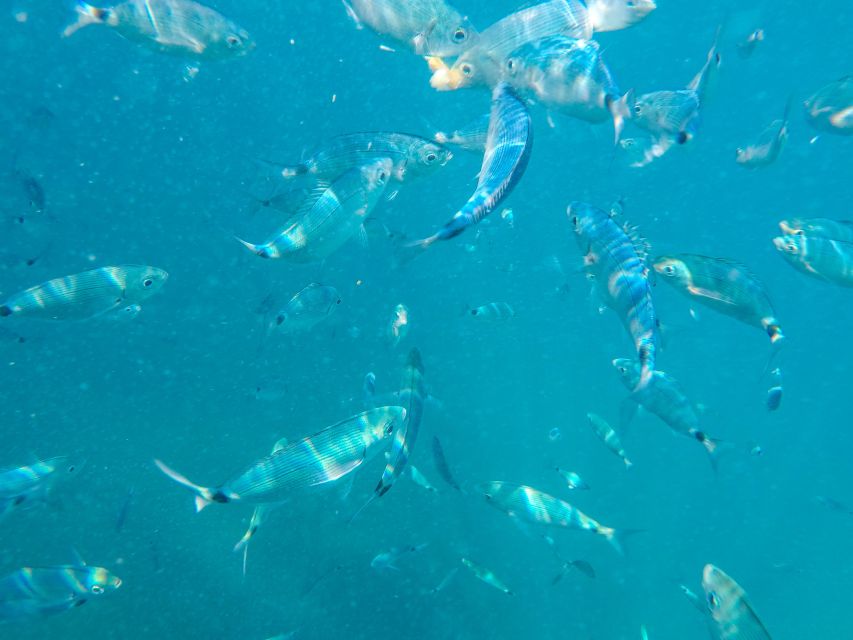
(389, 428)
(669, 270)
(791, 247)
(97, 589)
(147, 282)
(473, 312)
(575, 220)
(431, 157)
(713, 601)
(467, 69)
(232, 41)
(510, 64)
(460, 35)
(623, 370)
(638, 109)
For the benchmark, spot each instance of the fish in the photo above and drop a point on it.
(419, 478)
(615, 15)
(818, 228)
(177, 27)
(331, 216)
(673, 117)
(472, 137)
(724, 285)
(315, 460)
(573, 480)
(121, 518)
(830, 109)
(22, 486)
(32, 190)
(486, 575)
(747, 46)
(834, 505)
(411, 156)
(385, 560)
(528, 505)
(766, 149)
(398, 327)
(608, 436)
(493, 312)
(730, 610)
(368, 389)
(270, 389)
(508, 147)
(445, 581)
(615, 258)
(40, 591)
(306, 309)
(441, 464)
(664, 397)
(822, 258)
(581, 565)
(774, 393)
(85, 295)
(569, 75)
(428, 27)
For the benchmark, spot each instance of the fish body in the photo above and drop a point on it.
(85, 295)
(22, 486)
(818, 228)
(329, 218)
(486, 575)
(307, 308)
(608, 436)
(818, 257)
(387, 559)
(830, 109)
(573, 480)
(723, 285)
(313, 461)
(471, 137)
(508, 146)
(615, 258)
(399, 325)
(766, 149)
(569, 75)
(179, 27)
(420, 479)
(429, 27)
(537, 507)
(38, 591)
(747, 46)
(731, 612)
(493, 312)
(441, 464)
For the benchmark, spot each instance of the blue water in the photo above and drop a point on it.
(142, 163)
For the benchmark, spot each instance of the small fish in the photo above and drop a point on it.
(385, 560)
(445, 581)
(830, 109)
(441, 464)
(368, 390)
(330, 217)
(746, 47)
(766, 149)
(85, 295)
(756, 451)
(774, 393)
(471, 137)
(573, 480)
(121, 518)
(486, 575)
(179, 27)
(429, 27)
(581, 565)
(23, 486)
(315, 460)
(822, 258)
(306, 309)
(420, 479)
(732, 614)
(608, 436)
(40, 591)
(818, 228)
(833, 505)
(493, 312)
(270, 389)
(32, 190)
(529, 505)
(398, 327)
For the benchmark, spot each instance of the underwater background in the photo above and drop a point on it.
(143, 162)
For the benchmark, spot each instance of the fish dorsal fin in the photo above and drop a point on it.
(641, 244)
(280, 444)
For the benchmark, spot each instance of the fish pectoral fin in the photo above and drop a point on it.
(708, 293)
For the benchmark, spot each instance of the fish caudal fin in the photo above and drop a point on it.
(203, 495)
(258, 249)
(714, 447)
(616, 538)
(86, 15)
(620, 110)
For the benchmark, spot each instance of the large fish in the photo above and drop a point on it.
(41, 591)
(819, 257)
(569, 75)
(429, 27)
(87, 294)
(310, 462)
(22, 486)
(615, 258)
(830, 109)
(179, 27)
(329, 218)
(732, 615)
(508, 146)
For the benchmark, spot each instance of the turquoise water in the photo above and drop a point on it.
(143, 162)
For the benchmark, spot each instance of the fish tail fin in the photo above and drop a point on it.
(203, 495)
(86, 15)
(700, 82)
(714, 448)
(620, 110)
(258, 249)
(628, 463)
(617, 537)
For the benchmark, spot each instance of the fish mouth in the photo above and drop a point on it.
(779, 243)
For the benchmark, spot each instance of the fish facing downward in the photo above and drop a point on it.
(732, 615)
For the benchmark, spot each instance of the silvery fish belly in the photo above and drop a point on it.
(429, 27)
(616, 262)
(821, 258)
(86, 295)
(818, 228)
(830, 109)
(330, 217)
(732, 615)
(180, 27)
(35, 591)
(310, 306)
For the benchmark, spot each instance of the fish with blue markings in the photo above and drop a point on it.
(428, 27)
(307, 308)
(830, 109)
(731, 615)
(29, 484)
(315, 460)
(569, 75)
(615, 259)
(40, 591)
(530, 506)
(330, 217)
(767, 148)
(486, 575)
(86, 295)
(820, 257)
(179, 27)
(508, 146)
(664, 397)
(673, 117)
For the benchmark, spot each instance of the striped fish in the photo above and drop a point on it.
(822, 258)
(329, 217)
(85, 295)
(315, 460)
(22, 486)
(608, 436)
(508, 146)
(529, 505)
(664, 397)
(615, 258)
(732, 615)
(40, 591)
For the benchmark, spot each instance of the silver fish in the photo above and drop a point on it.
(23, 486)
(747, 46)
(608, 436)
(471, 137)
(818, 228)
(493, 312)
(307, 308)
(766, 149)
(398, 327)
(486, 575)
(573, 480)
(86, 295)
(179, 27)
(830, 109)
(819, 257)
(387, 559)
(732, 614)
(419, 478)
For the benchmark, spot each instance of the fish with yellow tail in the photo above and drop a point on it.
(730, 614)
(311, 462)
(608, 436)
